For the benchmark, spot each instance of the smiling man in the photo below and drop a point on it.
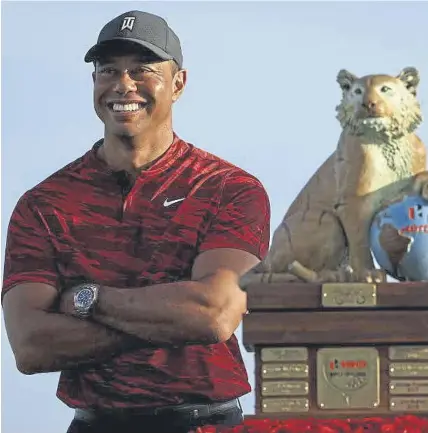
(122, 268)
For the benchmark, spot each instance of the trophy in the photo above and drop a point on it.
(333, 338)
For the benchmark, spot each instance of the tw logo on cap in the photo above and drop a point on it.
(127, 23)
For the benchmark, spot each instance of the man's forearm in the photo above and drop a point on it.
(62, 342)
(174, 313)
(164, 313)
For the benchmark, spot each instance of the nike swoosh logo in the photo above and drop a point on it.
(167, 203)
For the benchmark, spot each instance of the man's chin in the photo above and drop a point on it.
(128, 126)
(126, 136)
(124, 131)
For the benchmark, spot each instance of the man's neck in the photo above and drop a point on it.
(136, 153)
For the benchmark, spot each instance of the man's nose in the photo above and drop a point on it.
(125, 84)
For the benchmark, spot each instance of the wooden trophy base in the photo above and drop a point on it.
(339, 350)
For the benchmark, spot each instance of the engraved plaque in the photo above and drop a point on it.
(409, 404)
(284, 387)
(278, 354)
(281, 405)
(404, 387)
(408, 353)
(285, 371)
(349, 295)
(348, 378)
(408, 369)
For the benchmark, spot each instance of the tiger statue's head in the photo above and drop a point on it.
(379, 106)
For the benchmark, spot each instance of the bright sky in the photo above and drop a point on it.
(261, 93)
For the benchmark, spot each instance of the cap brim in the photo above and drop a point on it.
(100, 48)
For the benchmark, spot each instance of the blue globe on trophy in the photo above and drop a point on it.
(399, 239)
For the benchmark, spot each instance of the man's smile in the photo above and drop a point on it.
(126, 107)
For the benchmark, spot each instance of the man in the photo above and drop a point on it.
(122, 268)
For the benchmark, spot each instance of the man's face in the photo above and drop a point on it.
(134, 92)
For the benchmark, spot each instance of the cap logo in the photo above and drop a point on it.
(127, 23)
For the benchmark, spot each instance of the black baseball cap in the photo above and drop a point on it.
(147, 30)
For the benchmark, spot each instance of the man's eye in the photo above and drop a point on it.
(139, 72)
(107, 71)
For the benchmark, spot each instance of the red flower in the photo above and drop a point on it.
(405, 424)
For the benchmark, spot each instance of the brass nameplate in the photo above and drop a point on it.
(281, 405)
(408, 353)
(412, 387)
(285, 371)
(348, 378)
(409, 404)
(349, 295)
(408, 369)
(278, 354)
(278, 388)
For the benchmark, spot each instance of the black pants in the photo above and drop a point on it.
(155, 424)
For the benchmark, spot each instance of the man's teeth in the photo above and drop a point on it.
(126, 107)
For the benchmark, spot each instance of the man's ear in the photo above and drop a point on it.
(179, 83)
(93, 76)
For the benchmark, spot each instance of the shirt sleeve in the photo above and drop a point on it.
(243, 217)
(29, 255)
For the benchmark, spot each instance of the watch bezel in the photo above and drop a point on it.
(85, 310)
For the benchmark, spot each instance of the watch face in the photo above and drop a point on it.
(84, 298)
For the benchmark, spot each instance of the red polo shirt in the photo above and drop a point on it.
(77, 226)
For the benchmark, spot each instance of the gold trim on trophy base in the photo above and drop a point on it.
(286, 354)
(285, 405)
(285, 371)
(408, 387)
(408, 404)
(348, 378)
(408, 353)
(408, 369)
(284, 388)
(348, 295)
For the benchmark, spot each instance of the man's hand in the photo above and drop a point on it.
(205, 310)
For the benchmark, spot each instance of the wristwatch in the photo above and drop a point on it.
(85, 299)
